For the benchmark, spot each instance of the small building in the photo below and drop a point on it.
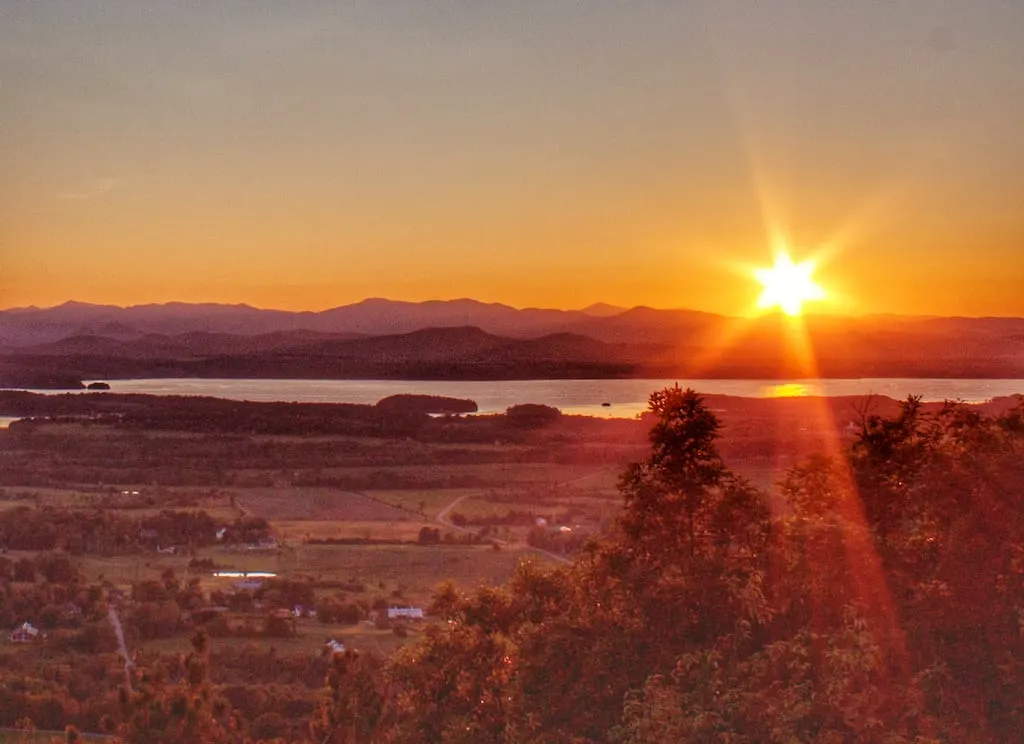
(405, 613)
(25, 633)
(334, 647)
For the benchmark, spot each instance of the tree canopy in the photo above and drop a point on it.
(872, 596)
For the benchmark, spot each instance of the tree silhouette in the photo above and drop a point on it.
(664, 493)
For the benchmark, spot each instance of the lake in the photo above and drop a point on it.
(627, 398)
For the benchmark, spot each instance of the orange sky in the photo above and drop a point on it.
(536, 153)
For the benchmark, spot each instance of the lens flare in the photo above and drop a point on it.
(788, 285)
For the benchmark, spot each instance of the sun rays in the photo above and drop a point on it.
(788, 285)
(777, 335)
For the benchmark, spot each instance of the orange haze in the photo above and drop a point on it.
(309, 155)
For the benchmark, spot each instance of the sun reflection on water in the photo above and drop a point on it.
(789, 390)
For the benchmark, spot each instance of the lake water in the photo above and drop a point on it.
(627, 398)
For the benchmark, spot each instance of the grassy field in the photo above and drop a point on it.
(316, 504)
(123, 570)
(309, 640)
(497, 471)
(413, 569)
(428, 501)
(297, 531)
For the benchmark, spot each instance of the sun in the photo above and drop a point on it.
(788, 285)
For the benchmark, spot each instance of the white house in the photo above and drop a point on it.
(409, 613)
(25, 633)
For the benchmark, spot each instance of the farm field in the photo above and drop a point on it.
(316, 504)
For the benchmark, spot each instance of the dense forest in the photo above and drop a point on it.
(876, 595)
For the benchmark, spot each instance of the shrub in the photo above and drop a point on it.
(531, 416)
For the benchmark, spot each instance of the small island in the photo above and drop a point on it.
(429, 404)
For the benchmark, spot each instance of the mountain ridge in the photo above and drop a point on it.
(467, 338)
(371, 316)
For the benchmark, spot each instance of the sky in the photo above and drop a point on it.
(554, 153)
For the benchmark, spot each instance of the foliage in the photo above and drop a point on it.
(875, 596)
(420, 404)
(189, 711)
(531, 415)
(836, 610)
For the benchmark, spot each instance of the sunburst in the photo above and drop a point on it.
(788, 285)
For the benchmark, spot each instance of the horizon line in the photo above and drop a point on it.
(599, 303)
(373, 298)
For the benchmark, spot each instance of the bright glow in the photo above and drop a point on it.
(788, 285)
(789, 390)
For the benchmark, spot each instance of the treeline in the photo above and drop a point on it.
(240, 444)
(435, 404)
(398, 416)
(101, 532)
(41, 376)
(215, 415)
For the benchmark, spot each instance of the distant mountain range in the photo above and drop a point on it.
(466, 339)
(372, 317)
